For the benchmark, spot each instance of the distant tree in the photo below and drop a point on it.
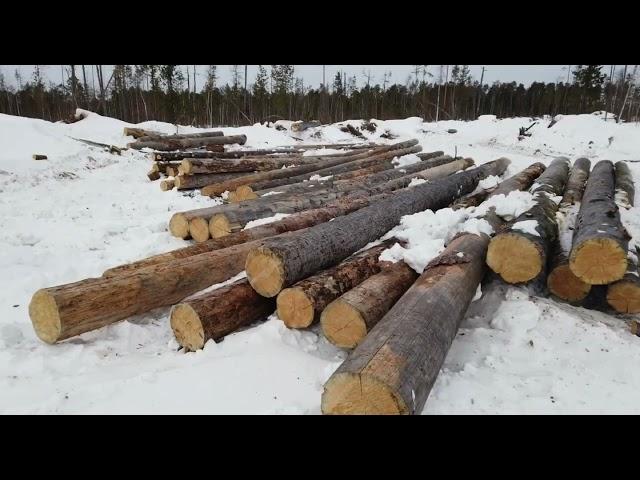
(589, 78)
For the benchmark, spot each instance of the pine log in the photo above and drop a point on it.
(429, 155)
(153, 174)
(186, 182)
(172, 145)
(162, 166)
(394, 368)
(599, 250)
(166, 185)
(139, 132)
(518, 256)
(35, 156)
(348, 319)
(182, 136)
(561, 281)
(300, 305)
(213, 315)
(624, 295)
(279, 264)
(625, 190)
(172, 171)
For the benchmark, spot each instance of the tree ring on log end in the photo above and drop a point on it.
(244, 192)
(186, 166)
(624, 296)
(199, 229)
(360, 394)
(179, 226)
(598, 261)
(265, 271)
(187, 327)
(219, 226)
(342, 324)
(45, 316)
(294, 308)
(515, 258)
(565, 285)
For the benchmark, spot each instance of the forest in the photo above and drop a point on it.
(172, 93)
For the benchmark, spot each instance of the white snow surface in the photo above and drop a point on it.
(527, 226)
(84, 210)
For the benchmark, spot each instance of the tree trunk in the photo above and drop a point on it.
(625, 191)
(599, 251)
(171, 145)
(300, 305)
(518, 255)
(577, 182)
(216, 165)
(166, 185)
(394, 368)
(348, 319)
(213, 315)
(624, 295)
(139, 132)
(185, 182)
(279, 264)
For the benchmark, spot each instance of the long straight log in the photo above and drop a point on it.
(186, 182)
(300, 305)
(172, 145)
(279, 264)
(213, 315)
(520, 254)
(625, 190)
(394, 368)
(182, 136)
(138, 132)
(599, 250)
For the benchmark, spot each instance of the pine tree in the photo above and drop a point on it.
(589, 78)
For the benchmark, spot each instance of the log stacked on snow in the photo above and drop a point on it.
(279, 264)
(182, 136)
(624, 295)
(520, 254)
(625, 191)
(166, 185)
(180, 144)
(187, 182)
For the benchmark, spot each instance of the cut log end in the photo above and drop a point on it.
(265, 271)
(244, 192)
(624, 297)
(343, 325)
(179, 226)
(187, 327)
(565, 285)
(45, 317)
(219, 226)
(515, 258)
(352, 394)
(295, 309)
(166, 185)
(186, 166)
(199, 229)
(599, 261)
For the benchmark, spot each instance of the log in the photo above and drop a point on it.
(182, 136)
(599, 250)
(518, 256)
(279, 264)
(429, 155)
(213, 315)
(162, 166)
(561, 281)
(394, 368)
(260, 152)
(171, 145)
(300, 305)
(153, 174)
(302, 126)
(625, 190)
(347, 320)
(624, 295)
(35, 156)
(186, 182)
(139, 132)
(166, 185)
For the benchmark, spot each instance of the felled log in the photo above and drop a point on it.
(599, 250)
(520, 254)
(625, 190)
(279, 264)
(302, 126)
(300, 305)
(35, 156)
(394, 368)
(171, 145)
(182, 136)
(561, 281)
(213, 315)
(166, 185)
(186, 182)
(634, 327)
(348, 319)
(162, 166)
(154, 173)
(139, 132)
(624, 295)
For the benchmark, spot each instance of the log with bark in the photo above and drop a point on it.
(599, 249)
(154, 173)
(182, 136)
(302, 126)
(215, 314)
(139, 132)
(166, 185)
(171, 145)
(300, 305)
(186, 182)
(625, 190)
(394, 368)
(520, 254)
(561, 281)
(624, 295)
(279, 264)
(172, 171)
(162, 166)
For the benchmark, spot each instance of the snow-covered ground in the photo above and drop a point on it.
(84, 210)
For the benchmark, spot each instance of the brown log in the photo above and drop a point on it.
(172, 171)
(162, 166)
(599, 250)
(625, 190)
(35, 156)
(139, 132)
(186, 182)
(394, 368)
(279, 264)
(518, 256)
(300, 305)
(166, 185)
(252, 153)
(624, 295)
(182, 136)
(348, 319)
(213, 315)
(577, 182)
(153, 174)
(171, 145)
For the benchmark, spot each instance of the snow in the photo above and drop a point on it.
(322, 151)
(526, 226)
(406, 160)
(490, 182)
(416, 181)
(264, 221)
(84, 210)
(318, 178)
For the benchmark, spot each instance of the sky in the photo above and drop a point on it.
(312, 74)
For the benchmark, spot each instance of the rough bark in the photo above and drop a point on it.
(577, 182)
(348, 319)
(213, 315)
(429, 155)
(394, 368)
(301, 305)
(518, 256)
(162, 166)
(171, 145)
(153, 174)
(186, 182)
(625, 190)
(279, 264)
(183, 136)
(599, 250)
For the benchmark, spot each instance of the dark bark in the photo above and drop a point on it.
(171, 145)
(186, 182)
(625, 190)
(577, 182)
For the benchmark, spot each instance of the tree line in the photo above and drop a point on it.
(136, 93)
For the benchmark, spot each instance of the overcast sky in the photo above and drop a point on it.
(312, 74)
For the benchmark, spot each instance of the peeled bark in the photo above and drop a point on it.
(279, 264)
(625, 190)
(301, 305)
(347, 320)
(185, 182)
(171, 145)
(599, 250)
(518, 256)
(213, 315)
(394, 368)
